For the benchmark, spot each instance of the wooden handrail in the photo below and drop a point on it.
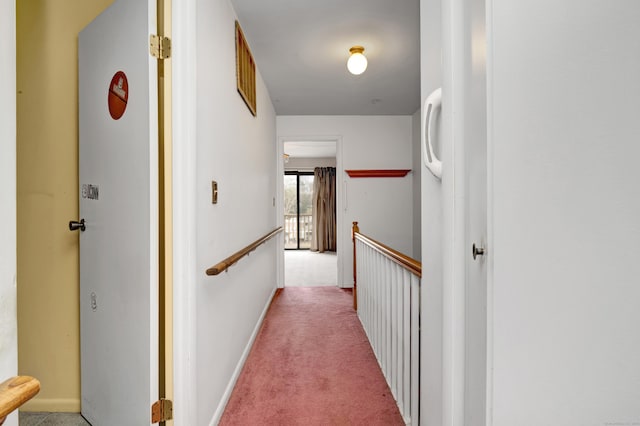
(406, 262)
(16, 391)
(225, 264)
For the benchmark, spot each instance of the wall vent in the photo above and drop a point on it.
(245, 71)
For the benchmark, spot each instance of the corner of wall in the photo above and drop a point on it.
(416, 162)
(8, 318)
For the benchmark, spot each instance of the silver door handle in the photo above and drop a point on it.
(74, 226)
(477, 251)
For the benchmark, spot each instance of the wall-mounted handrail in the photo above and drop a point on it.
(16, 391)
(403, 260)
(229, 261)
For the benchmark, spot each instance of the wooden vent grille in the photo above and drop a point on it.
(245, 71)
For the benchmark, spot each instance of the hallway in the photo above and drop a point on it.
(514, 125)
(311, 364)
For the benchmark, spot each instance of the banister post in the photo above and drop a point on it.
(355, 229)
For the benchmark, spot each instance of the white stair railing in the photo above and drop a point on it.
(387, 298)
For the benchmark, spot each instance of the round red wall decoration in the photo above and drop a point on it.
(118, 95)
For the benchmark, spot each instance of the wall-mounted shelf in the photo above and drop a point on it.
(378, 173)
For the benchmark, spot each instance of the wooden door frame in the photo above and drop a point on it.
(165, 191)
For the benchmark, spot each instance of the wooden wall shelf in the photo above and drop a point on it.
(377, 173)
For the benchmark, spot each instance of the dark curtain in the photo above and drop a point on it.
(324, 209)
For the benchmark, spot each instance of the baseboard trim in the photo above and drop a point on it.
(245, 354)
(52, 405)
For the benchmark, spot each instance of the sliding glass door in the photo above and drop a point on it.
(298, 193)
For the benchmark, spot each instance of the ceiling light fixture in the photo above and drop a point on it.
(357, 62)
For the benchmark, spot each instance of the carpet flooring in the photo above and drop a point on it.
(311, 364)
(305, 268)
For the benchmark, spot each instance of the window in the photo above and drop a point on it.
(298, 219)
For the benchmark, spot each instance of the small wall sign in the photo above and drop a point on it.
(92, 192)
(118, 95)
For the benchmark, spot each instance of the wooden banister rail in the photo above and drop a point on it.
(229, 261)
(16, 391)
(387, 301)
(403, 260)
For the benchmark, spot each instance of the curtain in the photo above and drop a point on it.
(324, 209)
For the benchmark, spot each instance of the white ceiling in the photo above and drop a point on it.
(310, 149)
(301, 48)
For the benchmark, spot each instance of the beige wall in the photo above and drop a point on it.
(47, 154)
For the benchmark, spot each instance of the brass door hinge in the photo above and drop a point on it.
(161, 411)
(160, 46)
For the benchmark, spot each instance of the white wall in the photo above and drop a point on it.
(382, 206)
(8, 318)
(564, 183)
(238, 151)
(309, 163)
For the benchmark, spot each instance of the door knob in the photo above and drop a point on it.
(74, 226)
(477, 251)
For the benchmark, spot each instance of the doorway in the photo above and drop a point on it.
(307, 263)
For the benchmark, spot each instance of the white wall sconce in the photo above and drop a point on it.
(357, 62)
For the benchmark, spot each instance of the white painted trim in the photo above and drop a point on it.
(280, 210)
(184, 211)
(236, 373)
(453, 181)
(490, 213)
(341, 205)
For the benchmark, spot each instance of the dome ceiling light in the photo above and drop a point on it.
(357, 62)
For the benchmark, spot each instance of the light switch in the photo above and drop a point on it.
(214, 192)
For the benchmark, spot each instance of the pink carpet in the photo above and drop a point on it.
(311, 364)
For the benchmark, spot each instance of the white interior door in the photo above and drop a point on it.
(564, 282)
(119, 203)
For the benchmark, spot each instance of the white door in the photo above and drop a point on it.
(564, 282)
(119, 203)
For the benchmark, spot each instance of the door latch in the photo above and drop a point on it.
(74, 226)
(477, 251)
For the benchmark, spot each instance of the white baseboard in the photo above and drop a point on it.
(52, 405)
(234, 377)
